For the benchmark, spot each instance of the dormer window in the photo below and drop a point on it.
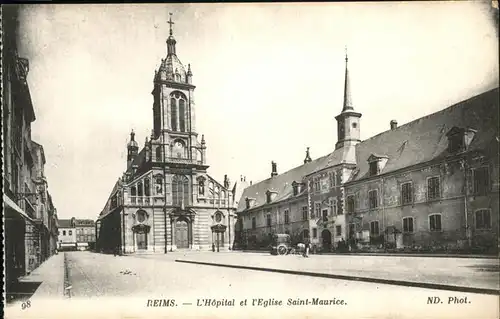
(270, 196)
(249, 202)
(374, 168)
(459, 138)
(455, 144)
(377, 164)
(296, 188)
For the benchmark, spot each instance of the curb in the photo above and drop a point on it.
(485, 291)
(388, 254)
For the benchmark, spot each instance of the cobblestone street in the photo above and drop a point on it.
(97, 280)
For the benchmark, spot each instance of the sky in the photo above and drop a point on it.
(269, 79)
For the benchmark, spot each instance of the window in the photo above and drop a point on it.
(333, 205)
(338, 230)
(374, 229)
(317, 185)
(287, 216)
(433, 189)
(139, 189)
(481, 181)
(315, 233)
(325, 215)
(182, 118)
(147, 187)
(317, 210)
(407, 193)
(295, 190)
(268, 220)
(304, 212)
(141, 216)
(435, 222)
(158, 153)
(305, 234)
(455, 143)
(408, 225)
(373, 199)
(350, 204)
(180, 190)
(483, 219)
(332, 179)
(159, 184)
(374, 168)
(64, 233)
(173, 112)
(70, 233)
(254, 223)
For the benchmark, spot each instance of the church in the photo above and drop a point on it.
(166, 200)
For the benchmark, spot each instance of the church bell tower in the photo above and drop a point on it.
(174, 131)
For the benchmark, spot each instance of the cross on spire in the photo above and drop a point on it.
(346, 54)
(170, 22)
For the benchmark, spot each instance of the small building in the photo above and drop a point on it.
(85, 234)
(67, 234)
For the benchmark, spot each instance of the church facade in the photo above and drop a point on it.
(166, 200)
(431, 184)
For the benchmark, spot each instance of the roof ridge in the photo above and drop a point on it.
(425, 117)
(292, 169)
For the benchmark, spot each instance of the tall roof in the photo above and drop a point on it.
(282, 183)
(64, 223)
(425, 139)
(416, 142)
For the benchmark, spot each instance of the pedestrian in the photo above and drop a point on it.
(306, 249)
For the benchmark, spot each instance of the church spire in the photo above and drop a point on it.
(171, 41)
(347, 88)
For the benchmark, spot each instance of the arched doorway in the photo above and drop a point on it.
(182, 233)
(326, 240)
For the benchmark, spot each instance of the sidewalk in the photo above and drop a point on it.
(51, 275)
(474, 275)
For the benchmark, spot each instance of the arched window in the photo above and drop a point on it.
(173, 113)
(182, 124)
(158, 153)
(201, 187)
(159, 184)
(211, 188)
(147, 189)
(139, 189)
(180, 190)
(133, 191)
(178, 120)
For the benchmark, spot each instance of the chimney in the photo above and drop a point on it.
(274, 171)
(250, 183)
(394, 124)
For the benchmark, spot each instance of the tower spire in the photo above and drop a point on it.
(171, 41)
(347, 88)
(170, 22)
